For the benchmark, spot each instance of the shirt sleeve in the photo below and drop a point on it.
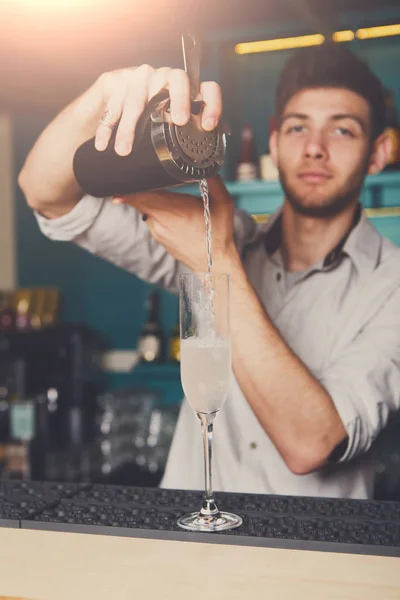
(118, 234)
(364, 383)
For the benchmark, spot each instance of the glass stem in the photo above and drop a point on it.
(209, 507)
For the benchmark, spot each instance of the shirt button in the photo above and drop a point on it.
(253, 445)
(278, 276)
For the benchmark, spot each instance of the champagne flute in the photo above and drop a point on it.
(206, 375)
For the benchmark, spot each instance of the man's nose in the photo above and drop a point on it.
(315, 146)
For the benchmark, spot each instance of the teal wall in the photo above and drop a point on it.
(104, 296)
(93, 291)
(249, 84)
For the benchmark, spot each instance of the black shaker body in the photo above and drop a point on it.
(163, 155)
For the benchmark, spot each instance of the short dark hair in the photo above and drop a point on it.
(332, 65)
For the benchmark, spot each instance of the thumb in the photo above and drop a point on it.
(218, 191)
(143, 201)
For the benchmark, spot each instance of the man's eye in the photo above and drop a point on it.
(344, 132)
(296, 129)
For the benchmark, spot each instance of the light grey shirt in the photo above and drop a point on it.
(342, 318)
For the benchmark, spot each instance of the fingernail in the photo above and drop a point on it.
(117, 201)
(209, 124)
(123, 149)
(145, 217)
(100, 145)
(181, 118)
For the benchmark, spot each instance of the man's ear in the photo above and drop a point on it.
(380, 156)
(273, 146)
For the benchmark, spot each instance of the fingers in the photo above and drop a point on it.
(212, 96)
(143, 201)
(112, 115)
(179, 92)
(159, 81)
(134, 104)
(128, 91)
(155, 202)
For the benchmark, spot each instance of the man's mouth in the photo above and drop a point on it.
(314, 176)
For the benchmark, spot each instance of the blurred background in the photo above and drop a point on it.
(82, 397)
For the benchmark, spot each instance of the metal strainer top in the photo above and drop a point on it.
(199, 146)
(188, 152)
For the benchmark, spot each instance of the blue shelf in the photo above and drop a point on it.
(387, 178)
(249, 188)
(380, 196)
(264, 197)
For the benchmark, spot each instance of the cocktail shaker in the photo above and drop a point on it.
(163, 154)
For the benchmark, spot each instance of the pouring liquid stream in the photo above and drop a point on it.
(207, 220)
(203, 185)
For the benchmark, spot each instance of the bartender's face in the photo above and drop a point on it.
(323, 150)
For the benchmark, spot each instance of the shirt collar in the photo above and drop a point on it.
(361, 243)
(273, 234)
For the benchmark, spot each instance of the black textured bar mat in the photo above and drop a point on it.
(280, 521)
(24, 499)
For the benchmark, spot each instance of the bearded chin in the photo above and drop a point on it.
(331, 206)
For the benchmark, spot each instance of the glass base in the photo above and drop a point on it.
(221, 521)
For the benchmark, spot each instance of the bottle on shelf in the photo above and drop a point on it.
(50, 307)
(268, 170)
(29, 436)
(175, 344)
(151, 339)
(38, 301)
(393, 131)
(23, 307)
(7, 316)
(247, 168)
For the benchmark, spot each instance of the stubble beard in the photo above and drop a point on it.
(331, 206)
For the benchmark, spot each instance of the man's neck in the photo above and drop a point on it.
(308, 240)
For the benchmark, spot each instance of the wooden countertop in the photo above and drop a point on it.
(43, 565)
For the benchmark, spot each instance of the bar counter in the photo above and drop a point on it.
(84, 541)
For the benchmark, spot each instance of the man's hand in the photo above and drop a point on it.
(118, 99)
(126, 92)
(176, 221)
